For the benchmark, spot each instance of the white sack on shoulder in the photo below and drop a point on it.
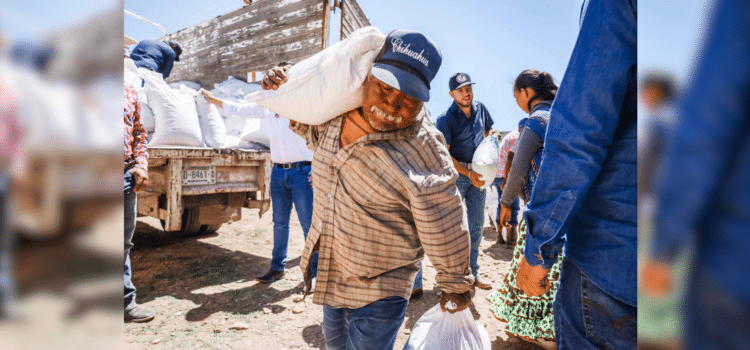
(175, 113)
(485, 161)
(437, 330)
(327, 84)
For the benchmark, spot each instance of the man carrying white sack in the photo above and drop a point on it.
(385, 194)
(290, 179)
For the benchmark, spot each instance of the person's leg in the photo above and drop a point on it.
(418, 279)
(375, 325)
(335, 328)
(302, 195)
(500, 240)
(130, 216)
(281, 202)
(7, 242)
(588, 318)
(474, 199)
(514, 208)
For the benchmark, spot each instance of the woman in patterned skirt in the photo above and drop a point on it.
(529, 318)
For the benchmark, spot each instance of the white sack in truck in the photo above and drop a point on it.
(485, 161)
(212, 126)
(329, 82)
(236, 87)
(256, 130)
(190, 84)
(175, 113)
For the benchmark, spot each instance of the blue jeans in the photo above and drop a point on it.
(418, 279)
(373, 326)
(130, 216)
(7, 242)
(514, 207)
(588, 318)
(474, 199)
(716, 316)
(290, 186)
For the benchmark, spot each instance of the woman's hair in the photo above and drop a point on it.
(541, 82)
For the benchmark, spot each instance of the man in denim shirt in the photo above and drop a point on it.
(585, 195)
(702, 195)
(158, 56)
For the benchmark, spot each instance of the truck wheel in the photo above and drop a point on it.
(210, 228)
(190, 224)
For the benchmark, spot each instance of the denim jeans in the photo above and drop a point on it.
(588, 318)
(371, 327)
(418, 279)
(130, 216)
(514, 207)
(474, 199)
(7, 242)
(290, 186)
(716, 316)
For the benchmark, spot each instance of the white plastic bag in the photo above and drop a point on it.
(437, 330)
(213, 129)
(175, 113)
(491, 202)
(327, 84)
(485, 161)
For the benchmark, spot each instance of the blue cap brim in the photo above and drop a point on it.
(401, 80)
(462, 85)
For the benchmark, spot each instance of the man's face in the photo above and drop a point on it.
(463, 96)
(386, 108)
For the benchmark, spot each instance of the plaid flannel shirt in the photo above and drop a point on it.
(380, 203)
(136, 151)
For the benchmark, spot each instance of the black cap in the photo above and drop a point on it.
(458, 80)
(177, 49)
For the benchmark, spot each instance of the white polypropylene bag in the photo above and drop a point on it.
(213, 129)
(329, 82)
(190, 84)
(491, 202)
(256, 130)
(437, 330)
(175, 113)
(236, 87)
(485, 161)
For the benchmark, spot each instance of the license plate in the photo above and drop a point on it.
(198, 175)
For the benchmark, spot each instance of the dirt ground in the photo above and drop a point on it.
(203, 289)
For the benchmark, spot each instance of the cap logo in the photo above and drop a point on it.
(398, 48)
(460, 78)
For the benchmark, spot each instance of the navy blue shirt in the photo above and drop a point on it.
(157, 56)
(464, 134)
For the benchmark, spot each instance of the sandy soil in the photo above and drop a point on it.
(203, 287)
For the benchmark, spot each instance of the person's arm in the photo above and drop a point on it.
(701, 146)
(169, 57)
(528, 144)
(445, 240)
(587, 106)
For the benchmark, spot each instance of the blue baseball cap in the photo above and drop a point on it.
(458, 80)
(408, 62)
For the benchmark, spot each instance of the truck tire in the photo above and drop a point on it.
(210, 228)
(190, 225)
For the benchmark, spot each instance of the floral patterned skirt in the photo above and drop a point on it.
(526, 317)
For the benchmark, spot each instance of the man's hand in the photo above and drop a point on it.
(505, 214)
(461, 300)
(656, 278)
(141, 179)
(474, 177)
(274, 77)
(532, 279)
(212, 100)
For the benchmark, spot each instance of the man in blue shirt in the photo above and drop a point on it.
(702, 193)
(158, 56)
(465, 124)
(585, 193)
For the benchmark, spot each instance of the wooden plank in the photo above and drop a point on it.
(223, 46)
(326, 24)
(352, 18)
(174, 195)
